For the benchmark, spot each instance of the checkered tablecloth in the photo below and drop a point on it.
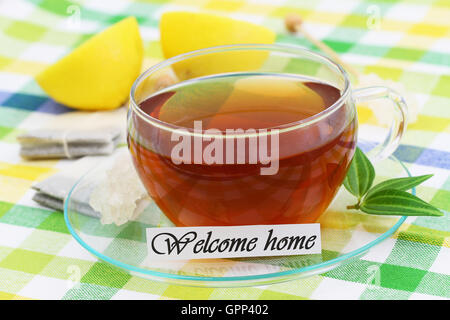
(405, 41)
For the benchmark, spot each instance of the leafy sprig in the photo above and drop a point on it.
(389, 197)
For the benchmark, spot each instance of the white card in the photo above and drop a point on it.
(233, 242)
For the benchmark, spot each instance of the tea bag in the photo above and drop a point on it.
(75, 134)
(116, 196)
(45, 144)
(52, 191)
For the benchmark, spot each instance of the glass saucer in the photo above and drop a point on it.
(346, 235)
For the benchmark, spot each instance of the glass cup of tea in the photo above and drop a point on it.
(248, 134)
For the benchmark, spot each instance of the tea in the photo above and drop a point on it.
(312, 159)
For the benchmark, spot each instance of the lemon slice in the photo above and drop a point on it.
(182, 32)
(265, 92)
(98, 74)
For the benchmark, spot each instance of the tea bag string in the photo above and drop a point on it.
(65, 134)
(65, 143)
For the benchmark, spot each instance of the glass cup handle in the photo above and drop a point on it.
(399, 122)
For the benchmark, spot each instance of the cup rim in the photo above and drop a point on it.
(231, 47)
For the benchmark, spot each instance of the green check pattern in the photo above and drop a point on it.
(406, 41)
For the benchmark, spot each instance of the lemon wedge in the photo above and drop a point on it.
(98, 74)
(182, 32)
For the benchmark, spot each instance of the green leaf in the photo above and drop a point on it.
(360, 175)
(397, 202)
(402, 184)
